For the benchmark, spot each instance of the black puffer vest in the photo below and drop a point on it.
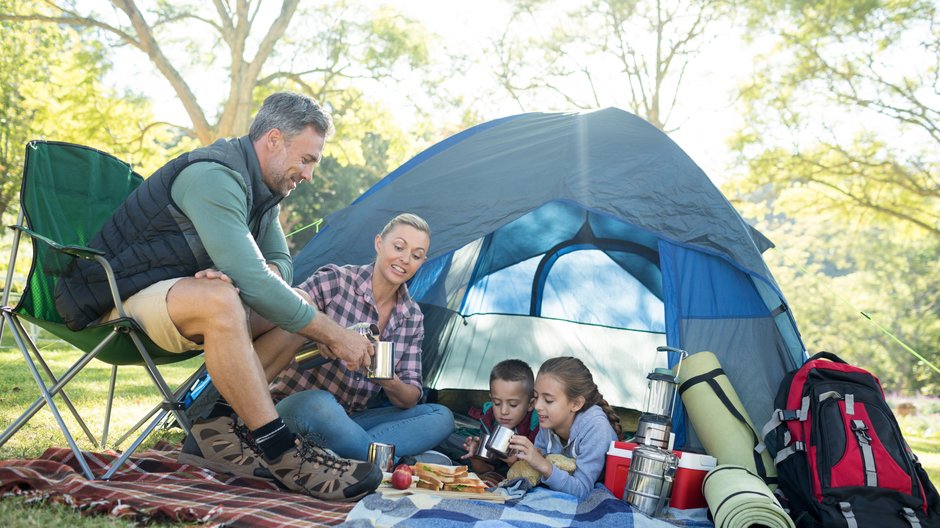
(148, 239)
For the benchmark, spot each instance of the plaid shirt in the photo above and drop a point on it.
(344, 294)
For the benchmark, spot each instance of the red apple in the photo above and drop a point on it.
(401, 479)
(405, 467)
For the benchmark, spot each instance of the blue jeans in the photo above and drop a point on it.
(316, 415)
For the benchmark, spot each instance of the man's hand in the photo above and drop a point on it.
(352, 348)
(212, 273)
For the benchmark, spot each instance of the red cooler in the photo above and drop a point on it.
(686, 487)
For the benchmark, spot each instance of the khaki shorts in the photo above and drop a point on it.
(148, 308)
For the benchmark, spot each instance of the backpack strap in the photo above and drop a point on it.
(864, 444)
(784, 415)
(846, 509)
(709, 378)
(909, 516)
(826, 355)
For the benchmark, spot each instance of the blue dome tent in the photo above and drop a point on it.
(587, 234)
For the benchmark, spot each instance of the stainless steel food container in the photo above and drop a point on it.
(649, 479)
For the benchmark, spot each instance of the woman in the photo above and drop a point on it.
(343, 409)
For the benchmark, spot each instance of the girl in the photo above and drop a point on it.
(575, 421)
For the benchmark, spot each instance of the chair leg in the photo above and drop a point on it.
(133, 447)
(8, 285)
(156, 408)
(170, 403)
(178, 396)
(16, 326)
(47, 396)
(107, 409)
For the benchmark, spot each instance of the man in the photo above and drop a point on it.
(201, 262)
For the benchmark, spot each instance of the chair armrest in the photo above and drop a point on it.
(86, 253)
(82, 252)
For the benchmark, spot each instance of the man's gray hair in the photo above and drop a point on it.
(290, 113)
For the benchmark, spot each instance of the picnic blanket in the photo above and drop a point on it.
(539, 507)
(153, 486)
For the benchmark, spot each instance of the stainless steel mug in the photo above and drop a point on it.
(498, 443)
(382, 455)
(383, 361)
(482, 452)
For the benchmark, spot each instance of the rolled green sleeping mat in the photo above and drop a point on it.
(738, 498)
(719, 417)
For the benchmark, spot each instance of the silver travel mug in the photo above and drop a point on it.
(382, 455)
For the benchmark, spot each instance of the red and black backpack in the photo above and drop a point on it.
(840, 456)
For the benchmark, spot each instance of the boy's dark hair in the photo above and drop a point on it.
(514, 370)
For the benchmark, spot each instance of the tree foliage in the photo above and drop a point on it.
(841, 151)
(52, 88)
(859, 292)
(630, 53)
(334, 51)
(844, 114)
(317, 49)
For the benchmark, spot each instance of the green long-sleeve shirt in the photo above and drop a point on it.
(214, 198)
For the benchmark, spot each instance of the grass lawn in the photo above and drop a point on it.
(88, 391)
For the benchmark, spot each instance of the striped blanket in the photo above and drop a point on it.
(539, 507)
(154, 487)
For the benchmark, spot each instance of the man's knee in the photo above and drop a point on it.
(221, 296)
(212, 302)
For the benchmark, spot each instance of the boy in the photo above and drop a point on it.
(512, 398)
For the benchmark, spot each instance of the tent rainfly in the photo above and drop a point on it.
(586, 234)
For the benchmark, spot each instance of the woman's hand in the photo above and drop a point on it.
(525, 450)
(470, 444)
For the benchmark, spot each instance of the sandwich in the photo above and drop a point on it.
(440, 472)
(430, 483)
(467, 484)
(436, 477)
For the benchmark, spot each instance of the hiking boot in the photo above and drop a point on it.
(309, 469)
(223, 444)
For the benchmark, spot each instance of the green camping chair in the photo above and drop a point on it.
(68, 192)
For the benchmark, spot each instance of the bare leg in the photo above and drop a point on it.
(211, 311)
(275, 350)
(276, 347)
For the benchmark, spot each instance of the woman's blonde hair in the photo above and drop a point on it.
(409, 219)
